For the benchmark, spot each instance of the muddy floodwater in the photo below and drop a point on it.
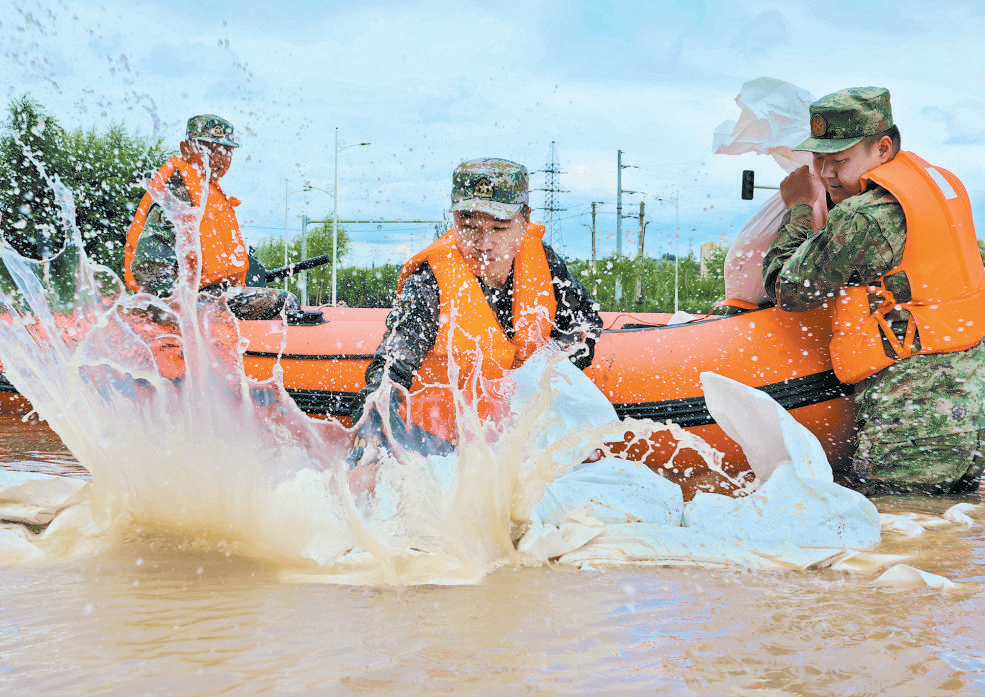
(163, 616)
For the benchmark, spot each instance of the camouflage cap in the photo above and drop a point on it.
(490, 185)
(842, 119)
(211, 129)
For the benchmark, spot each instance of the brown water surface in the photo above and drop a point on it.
(165, 617)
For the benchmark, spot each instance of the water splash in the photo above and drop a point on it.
(151, 397)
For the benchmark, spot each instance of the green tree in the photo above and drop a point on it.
(270, 253)
(29, 217)
(102, 171)
(621, 284)
(373, 287)
(105, 172)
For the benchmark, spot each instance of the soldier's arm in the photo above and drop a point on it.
(862, 240)
(794, 231)
(412, 328)
(155, 263)
(577, 319)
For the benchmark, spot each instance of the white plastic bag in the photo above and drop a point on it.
(773, 121)
(744, 260)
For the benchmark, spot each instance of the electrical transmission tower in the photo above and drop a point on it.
(552, 187)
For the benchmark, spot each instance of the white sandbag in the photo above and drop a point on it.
(901, 524)
(34, 498)
(768, 435)
(804, 512)
(576, 403)
(647, 543)
(550, 541)
(619, 491)
(17, 544)
(774, 120)
(913, 524)
(797, 500)
(958, 513)
(797, 518)
(743, 268)
(902, 576)
(562, 417)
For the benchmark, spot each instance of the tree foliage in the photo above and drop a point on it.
(29, 218)
(319, 241)
(646, 285)
(621, 284)
(102, 171)
(373, 287)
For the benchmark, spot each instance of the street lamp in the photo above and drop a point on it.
(286, 218)
(335, 215)
(303, 276)
(677, 237)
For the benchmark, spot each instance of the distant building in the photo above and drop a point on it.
(708, 250)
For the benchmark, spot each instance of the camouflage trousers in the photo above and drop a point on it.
(951, 463)
(921, 426)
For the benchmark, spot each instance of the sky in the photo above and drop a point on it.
(429, 84)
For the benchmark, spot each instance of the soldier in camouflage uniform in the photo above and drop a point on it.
(209, 145)
(921, 419)
(490, 203)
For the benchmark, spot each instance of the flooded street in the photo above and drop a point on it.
(156, 615)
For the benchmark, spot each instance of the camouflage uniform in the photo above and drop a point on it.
(155, 261)
(922, 420)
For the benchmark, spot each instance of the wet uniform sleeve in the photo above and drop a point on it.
(155, 261)
(862, 240)
(411, 330)
(577, 319)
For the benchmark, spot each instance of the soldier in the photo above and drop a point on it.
(489, 287)
(899, 261)
(151, 262)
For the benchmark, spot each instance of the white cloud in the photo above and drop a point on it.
(431, 83)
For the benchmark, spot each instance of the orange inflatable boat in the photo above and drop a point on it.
(646, 367)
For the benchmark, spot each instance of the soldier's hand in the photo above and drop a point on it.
(800, 187)
(363, 458)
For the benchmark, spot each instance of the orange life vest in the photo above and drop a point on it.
(469, 331)
(224, 256)
(944, 266)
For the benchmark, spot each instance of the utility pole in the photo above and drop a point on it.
(642, 230)
(303, 276)
(619, 203)
(594, 203)
(285, 231)
(619, 192)
(335, 215)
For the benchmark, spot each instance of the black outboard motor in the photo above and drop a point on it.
(257, 276)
